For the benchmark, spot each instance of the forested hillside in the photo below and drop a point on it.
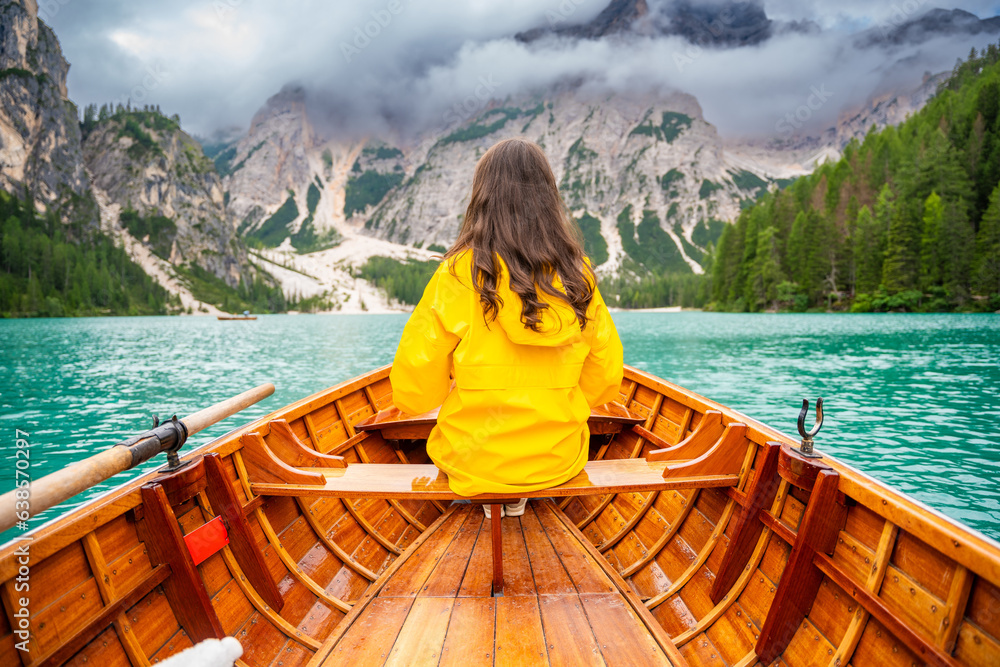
(50, 268)
(909, 219)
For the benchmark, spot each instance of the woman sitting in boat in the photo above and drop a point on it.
(514, 315)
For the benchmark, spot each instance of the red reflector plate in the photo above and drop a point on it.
(205, 540)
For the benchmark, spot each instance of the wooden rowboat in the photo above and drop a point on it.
(321, 535)
(236, 317)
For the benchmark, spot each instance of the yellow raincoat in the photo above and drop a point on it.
(517, 418)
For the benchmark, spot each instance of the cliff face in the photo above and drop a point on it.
(168, 192)
(635, 173)
(39, 133)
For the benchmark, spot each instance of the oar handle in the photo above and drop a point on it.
(53, 489)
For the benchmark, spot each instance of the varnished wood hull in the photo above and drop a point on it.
(897, 583)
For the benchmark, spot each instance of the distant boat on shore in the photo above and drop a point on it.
(245, 316)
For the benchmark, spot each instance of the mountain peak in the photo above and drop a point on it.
(723, 23)
(935, 22)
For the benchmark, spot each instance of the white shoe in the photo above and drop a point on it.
(516, 509)
(486, 510)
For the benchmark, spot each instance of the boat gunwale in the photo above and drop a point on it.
(969, 548)
(911, 515)
(105, 507)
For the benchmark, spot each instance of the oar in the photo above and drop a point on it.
(23, 503)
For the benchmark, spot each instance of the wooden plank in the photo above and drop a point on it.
(622, 637)
(567, 631)
(469, 642)
(801, 578)
(447, 576)
(760, 494)
(550, 576)
(654, 628)
(665, 537)
(136, 656)
(880, 566)
(425, 482)
(369, 640)
(517, 575)
(370, 529)
(295, 570)
(586, 574)
(102, 575)
(706, 550)
(362, 605)
(519, 637)
(731, 595)
(223, 500)
(874, 606)
(421, 638)
(403, 512)
(478, 580)
(98, 623)
(184, 588)
(409, 579)
(933, 528)
(958, 598)
(629, 526)
(332, 545)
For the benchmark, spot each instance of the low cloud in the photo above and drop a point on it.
(406, 65)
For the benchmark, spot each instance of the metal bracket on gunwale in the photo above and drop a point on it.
(806, 446)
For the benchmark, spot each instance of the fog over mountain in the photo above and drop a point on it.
(401, 66)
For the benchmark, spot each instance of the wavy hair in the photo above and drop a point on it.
(515, 213)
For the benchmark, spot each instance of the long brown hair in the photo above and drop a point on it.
(515, 213)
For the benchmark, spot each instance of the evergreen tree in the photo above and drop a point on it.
(902, 254)
(766, 273)
(867, 252)
(987, 261)
(930, 250)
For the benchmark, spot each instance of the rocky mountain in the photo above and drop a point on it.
(636, 173)
(133, 175)
(717, 24)
(649, 180)
(168, 192)
(39, 136)
(901, 29)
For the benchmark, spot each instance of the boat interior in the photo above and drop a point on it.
(321, 534)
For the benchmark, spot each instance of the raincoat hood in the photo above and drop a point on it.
(559, 324)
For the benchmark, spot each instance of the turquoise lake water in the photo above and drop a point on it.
(913, 400)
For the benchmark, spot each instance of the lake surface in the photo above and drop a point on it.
(913, 400)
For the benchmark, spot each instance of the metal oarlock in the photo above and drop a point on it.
(806, 446)
(168, 437)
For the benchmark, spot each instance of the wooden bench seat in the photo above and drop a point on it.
(427, 482)
(284, 466)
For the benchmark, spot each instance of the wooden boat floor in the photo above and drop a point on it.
(559, 605)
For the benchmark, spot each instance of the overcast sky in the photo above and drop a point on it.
(215, 62)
